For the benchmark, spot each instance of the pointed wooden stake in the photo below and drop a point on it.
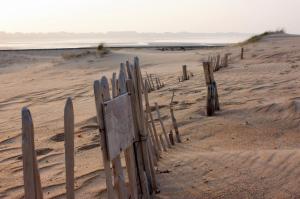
(32, 182)
(69, 148)
(106, 163)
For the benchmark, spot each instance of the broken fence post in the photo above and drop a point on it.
(212, 95)
(242, 53)
(184, 73)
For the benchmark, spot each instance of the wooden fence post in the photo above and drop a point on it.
(175, 126)
(226, 60)
(114, 84)
(148, 111)
(174, 122)
(129, 152)
(149, 83)
(119, 178)
(184, 73)
(242, 53)
(98, 101)
(212, 92)
(171, 137)
(152, 83)
(157, 83)
(162, 125)
(138, 149)
(162, 142)
(156, 152)
(143, 131)
(32, 182)
(218, 62)
(69, 148)
(210, 106)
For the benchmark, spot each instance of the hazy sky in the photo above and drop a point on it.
(149, 15)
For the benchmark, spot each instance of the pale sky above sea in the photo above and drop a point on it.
(245, 16)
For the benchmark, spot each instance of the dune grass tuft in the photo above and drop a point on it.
(257, 38)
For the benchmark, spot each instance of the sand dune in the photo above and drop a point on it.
(250, 149)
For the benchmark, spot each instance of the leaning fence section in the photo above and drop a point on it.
(126, 127)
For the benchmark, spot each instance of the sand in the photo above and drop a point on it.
(250, 149)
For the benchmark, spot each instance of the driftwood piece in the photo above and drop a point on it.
(162, 125)
(32, 182)
(69, 148)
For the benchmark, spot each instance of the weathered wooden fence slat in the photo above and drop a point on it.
(32, 182)
(129, 152)
(142, 129)
(162, 142)
(143, 182)
(106, 163)
(162, 125)
(148, 111)
(69, 148)
(119, 179)
(184, 73)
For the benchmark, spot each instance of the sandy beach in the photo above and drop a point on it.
(249, 149)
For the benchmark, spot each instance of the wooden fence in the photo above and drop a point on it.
(212, 102)
(217, 62)
(125, 126)
(153, 82)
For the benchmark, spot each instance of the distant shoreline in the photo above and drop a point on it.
(158, 47)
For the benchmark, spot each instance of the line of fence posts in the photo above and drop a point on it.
(154, 82)
(141, 153)
(217, 62)
(146, 151)
(212, 101)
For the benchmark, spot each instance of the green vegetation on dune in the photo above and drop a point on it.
(257, 38)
